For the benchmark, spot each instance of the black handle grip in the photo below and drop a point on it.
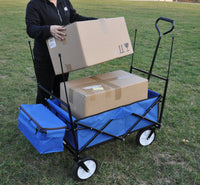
(167, 20)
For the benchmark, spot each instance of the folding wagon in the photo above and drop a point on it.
(51, 128)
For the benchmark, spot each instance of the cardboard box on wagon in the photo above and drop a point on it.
(90, 42)
(95, 94)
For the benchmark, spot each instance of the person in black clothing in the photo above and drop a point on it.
(44, 19)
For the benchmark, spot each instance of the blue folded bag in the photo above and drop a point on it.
(42, 128)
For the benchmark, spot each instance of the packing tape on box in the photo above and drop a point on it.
(110, 84)
(71, 96)
(103, 25)
(103, 85)
(68, 67)
(64, 42)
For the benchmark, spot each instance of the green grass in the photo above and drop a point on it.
(169, 160)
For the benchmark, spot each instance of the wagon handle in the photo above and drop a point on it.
(167, 20)
(158, 43)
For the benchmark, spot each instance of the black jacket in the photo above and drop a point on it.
(40, 14)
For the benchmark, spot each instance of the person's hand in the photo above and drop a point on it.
(58, 32)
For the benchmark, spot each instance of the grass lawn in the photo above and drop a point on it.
(172, 159)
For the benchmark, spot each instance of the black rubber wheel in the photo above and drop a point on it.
(145, 137)
(84, 168)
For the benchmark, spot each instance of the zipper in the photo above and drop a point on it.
(60, 18)
(58, 12)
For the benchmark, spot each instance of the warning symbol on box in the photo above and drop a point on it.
(123, 48)
(126, 45)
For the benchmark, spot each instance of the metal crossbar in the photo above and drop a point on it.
(142, 117)
(98, 132)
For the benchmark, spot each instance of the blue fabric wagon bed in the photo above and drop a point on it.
(116, 123)
(46, 128)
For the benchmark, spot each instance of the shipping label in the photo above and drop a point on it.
(52, 43)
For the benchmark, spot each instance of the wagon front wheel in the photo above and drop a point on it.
(84, 168)
(146, 137)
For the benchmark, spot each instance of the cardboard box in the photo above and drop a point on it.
(95, 94)
(90, 42)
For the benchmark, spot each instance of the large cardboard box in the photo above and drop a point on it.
(95, 94)
(90, 42)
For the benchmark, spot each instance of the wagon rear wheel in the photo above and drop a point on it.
(146, 137)
(84, 168)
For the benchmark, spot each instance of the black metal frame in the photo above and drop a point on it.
(161, 99)
(150, 74)
(122, 137)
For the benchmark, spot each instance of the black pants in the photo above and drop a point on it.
(46, 77)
